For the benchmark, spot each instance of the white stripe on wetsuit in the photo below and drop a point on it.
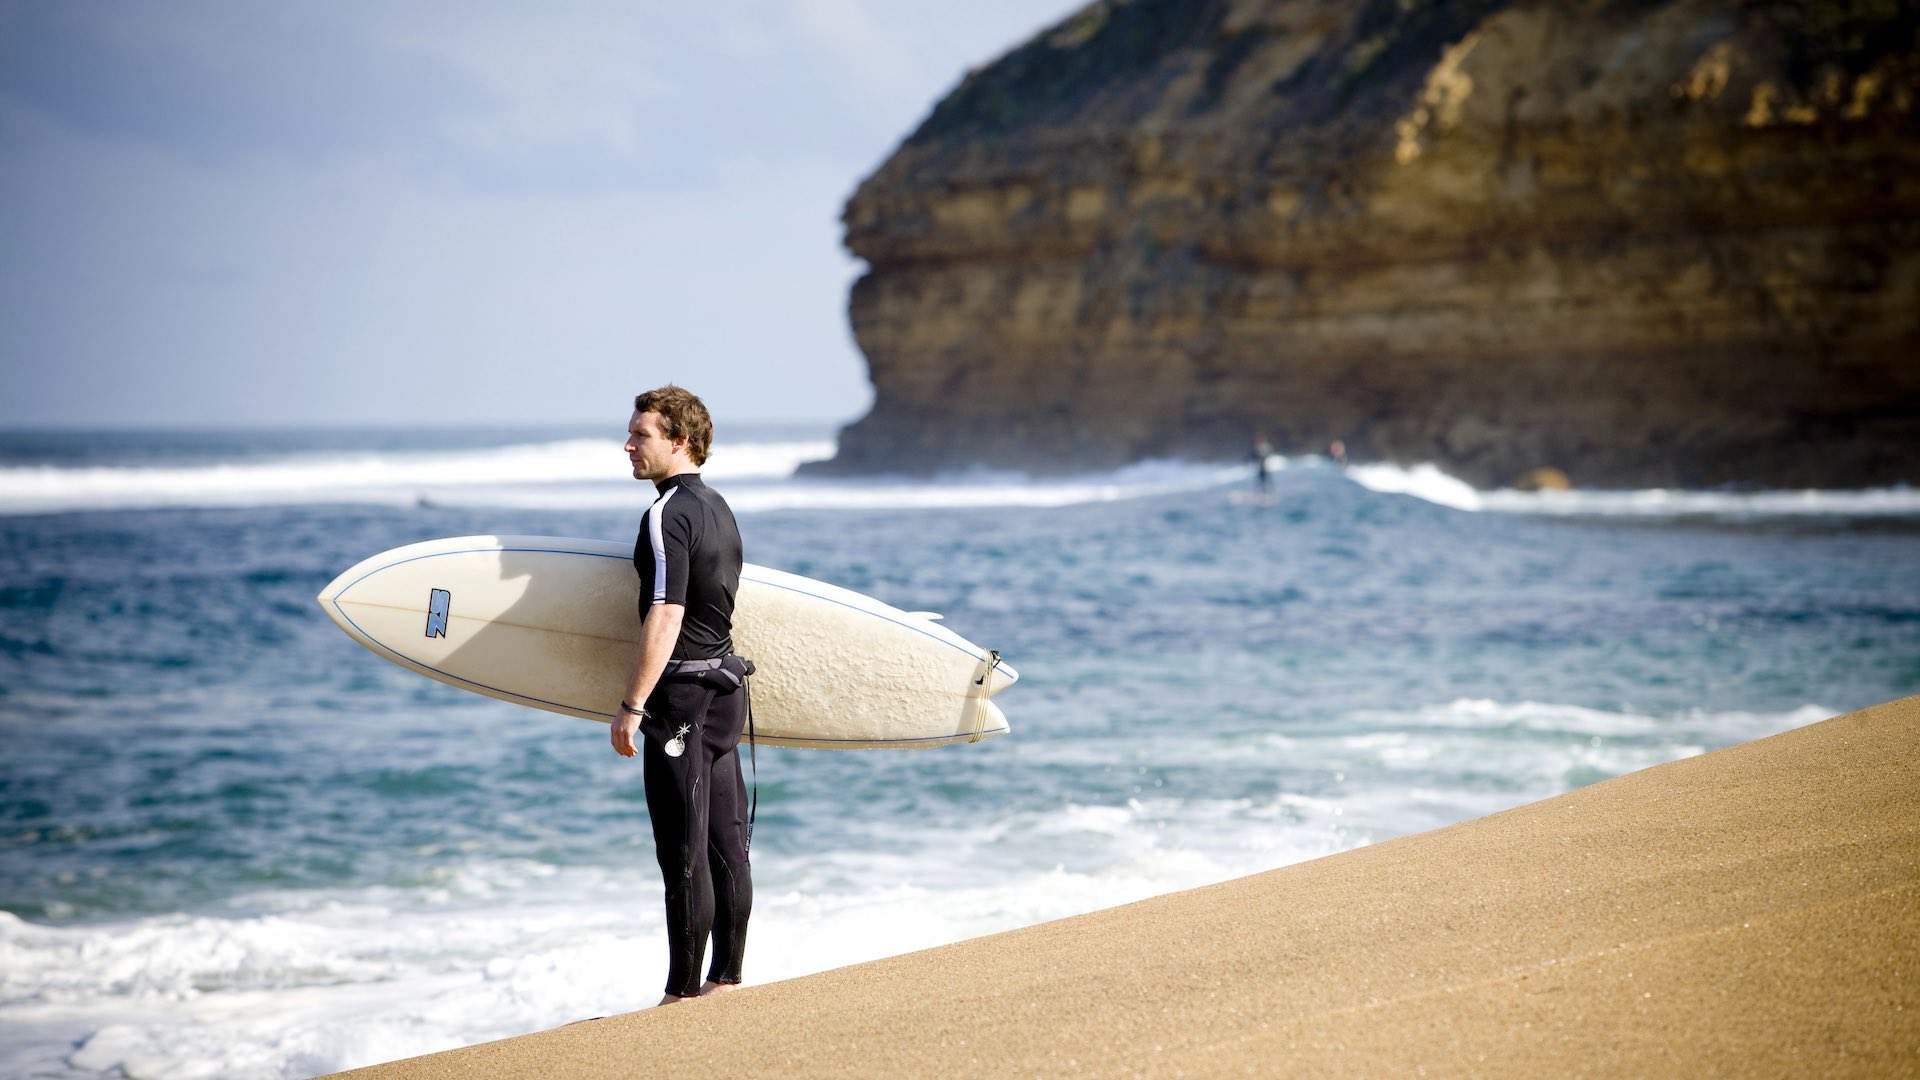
(659, 545)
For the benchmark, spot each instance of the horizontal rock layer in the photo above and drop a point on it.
(1646, 243)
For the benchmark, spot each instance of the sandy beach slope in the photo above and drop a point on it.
(1750, 912)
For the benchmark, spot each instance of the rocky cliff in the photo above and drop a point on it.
(1646, 242)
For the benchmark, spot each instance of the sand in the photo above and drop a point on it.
(1750, 912)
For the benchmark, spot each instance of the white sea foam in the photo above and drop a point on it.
(574, 474)
(1534, 749)
(1479, 714)
(395, 477)
(1421, 481)
(357, 977)
(955, 491)
(1428, 482)
(591, 474)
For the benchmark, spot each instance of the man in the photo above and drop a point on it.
(686, 695)
(1262, 450)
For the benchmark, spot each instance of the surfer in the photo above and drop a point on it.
(1262, 450)
(686, 697)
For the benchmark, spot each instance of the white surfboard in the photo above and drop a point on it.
(553, 623)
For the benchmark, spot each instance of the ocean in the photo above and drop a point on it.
(235, 844)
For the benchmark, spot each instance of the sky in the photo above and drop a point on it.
(330, 212)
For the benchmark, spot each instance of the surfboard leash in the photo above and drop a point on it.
(753, 758)
(976, 700)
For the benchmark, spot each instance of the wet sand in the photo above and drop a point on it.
(1750, 912)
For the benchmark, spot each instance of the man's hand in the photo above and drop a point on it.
(658, 633)
(624, 726)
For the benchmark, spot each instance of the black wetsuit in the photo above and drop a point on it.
(688, 552)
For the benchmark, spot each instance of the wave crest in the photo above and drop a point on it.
(378, 477)
(1428, 482)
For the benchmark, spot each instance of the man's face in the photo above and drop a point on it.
(649, 448)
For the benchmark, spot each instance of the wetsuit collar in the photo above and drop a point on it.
(661, 486)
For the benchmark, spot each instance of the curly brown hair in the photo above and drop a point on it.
(682, 416)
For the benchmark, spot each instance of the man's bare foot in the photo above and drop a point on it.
(671, 998)
(712, 987)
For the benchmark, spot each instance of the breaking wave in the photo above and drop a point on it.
(392, 477)
(1430, 483)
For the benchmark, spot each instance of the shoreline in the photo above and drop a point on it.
(1754, 910)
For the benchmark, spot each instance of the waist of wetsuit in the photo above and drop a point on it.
(722, 672)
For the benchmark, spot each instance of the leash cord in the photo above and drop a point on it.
(753, 756)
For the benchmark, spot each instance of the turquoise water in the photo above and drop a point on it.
(231, 839)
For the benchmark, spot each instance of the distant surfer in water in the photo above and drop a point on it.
(687, 695)
(1262, 450)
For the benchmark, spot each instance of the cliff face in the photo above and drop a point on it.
(1646, 242)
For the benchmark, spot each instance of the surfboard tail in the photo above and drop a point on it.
(981, 717)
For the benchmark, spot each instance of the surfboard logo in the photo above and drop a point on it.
(438, 601)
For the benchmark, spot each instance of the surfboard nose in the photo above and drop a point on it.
(331, 595)
(332, 591)
(337, 588)
(329, 601)
(329, 598)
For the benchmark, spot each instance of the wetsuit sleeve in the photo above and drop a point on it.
(673, 541)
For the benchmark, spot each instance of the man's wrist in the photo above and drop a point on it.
(628, 707)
